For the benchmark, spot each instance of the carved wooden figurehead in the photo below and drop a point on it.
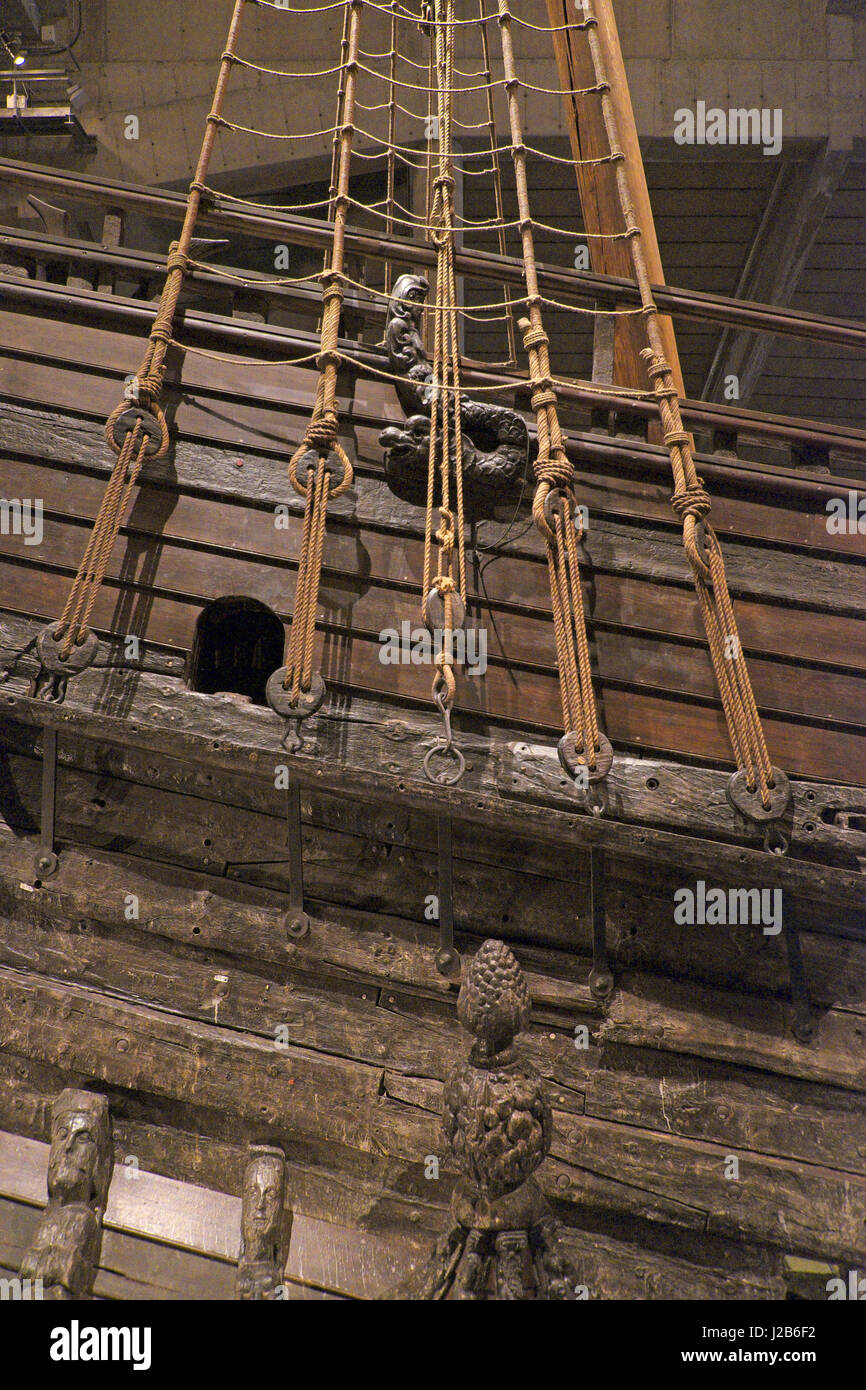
(66, 1247)
(265, 1226)
(504, 1241)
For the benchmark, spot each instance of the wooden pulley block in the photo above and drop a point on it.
(151, 427)
(279, 696)
(308, 465)
(49, 647)
(749, 803)
(573, 760)
(435, 608)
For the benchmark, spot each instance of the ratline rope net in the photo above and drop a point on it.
(398, 141)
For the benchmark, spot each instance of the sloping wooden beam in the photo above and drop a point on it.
(596, 184)
(795, 213)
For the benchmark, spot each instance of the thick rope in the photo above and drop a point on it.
(320, 438)
(446, 428)
(391, 176)
(553, 472)
(690, 500)
(499, 220)
(145, 390)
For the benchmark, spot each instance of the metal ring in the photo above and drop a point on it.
(435, 608)
(150, 426)
(782, 844)
(442, 779)
(595, 797)
(279, 698)
(82, 655)
(749, 803)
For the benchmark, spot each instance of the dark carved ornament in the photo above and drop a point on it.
(265, 1227)
(504, 1240)
(65, 1251)
(495, 439)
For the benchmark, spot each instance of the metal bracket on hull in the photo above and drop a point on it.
(802, 1023)
(297, 921)
(600, 976)
(46, 859)
(447, 958)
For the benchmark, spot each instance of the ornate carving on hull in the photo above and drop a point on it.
(495, 439)
(504, 1240)
(66, 1247)
(265, 1226)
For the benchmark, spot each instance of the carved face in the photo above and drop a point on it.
(411, 288)
(74, 1156)
(264, 1193)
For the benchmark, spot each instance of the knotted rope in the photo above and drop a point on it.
(446, 432)
(554, 507)
(690, 500)
(139, 417)
(320, 438)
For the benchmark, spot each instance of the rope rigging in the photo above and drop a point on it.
(135, 430)
(443, 596)
(758, 789)
(319, 468)
(585, 752)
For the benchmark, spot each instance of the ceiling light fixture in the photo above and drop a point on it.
(14, 49)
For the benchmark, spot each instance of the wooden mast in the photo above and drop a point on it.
(598, 195)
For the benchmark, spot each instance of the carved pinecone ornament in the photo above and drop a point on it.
(504, 1243)
(494, 1002)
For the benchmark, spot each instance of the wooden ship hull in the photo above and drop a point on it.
(159, 961)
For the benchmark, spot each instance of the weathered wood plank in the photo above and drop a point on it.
(653, 792)
(137, 1047)
(740, 493)
(378, 952)
(380, 867)
(639, 717)
(790, 1205)
(221, 1069)
(355, 603)
(616, 1270)
(358, 755)
(692, 1019)
(158, 1223)
(610, 1268)
(353, 1191)
(700, 1099)
(246, 524)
